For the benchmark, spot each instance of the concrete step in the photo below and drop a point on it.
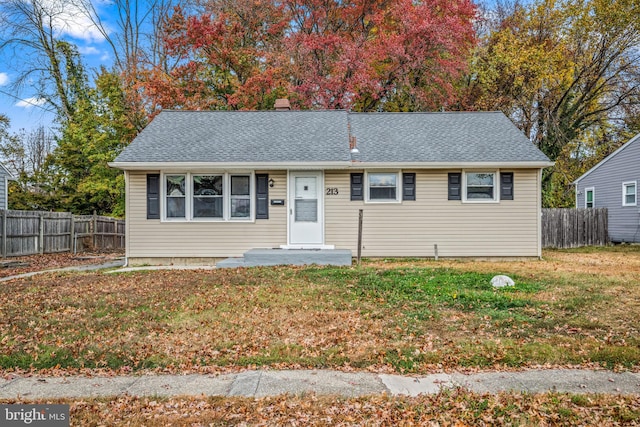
(298, 257)
(266, 257)
(231, 263)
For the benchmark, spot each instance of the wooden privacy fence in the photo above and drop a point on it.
(35, 232)
(572, 228)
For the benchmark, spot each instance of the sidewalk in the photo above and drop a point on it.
(262, 383)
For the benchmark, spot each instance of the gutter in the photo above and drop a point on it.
(168, 166)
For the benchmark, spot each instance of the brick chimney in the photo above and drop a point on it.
(282, 104)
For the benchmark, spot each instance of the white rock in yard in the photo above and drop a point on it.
(502, 281)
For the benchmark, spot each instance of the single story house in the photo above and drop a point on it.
(204, 185)
(613, 184)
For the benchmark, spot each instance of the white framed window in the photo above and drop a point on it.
(383, 187)
(207, 196)
(240, 196)
(480, 186)
(175, 191)
(589, 197)
(630, 193)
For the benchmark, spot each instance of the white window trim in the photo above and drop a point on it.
(190, 196)
(399, 184)
(624, 193)
(164, 196)
(593, 199)
(226, 199)
(496, 186)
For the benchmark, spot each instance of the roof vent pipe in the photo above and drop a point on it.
(353, 145)
(282, 104)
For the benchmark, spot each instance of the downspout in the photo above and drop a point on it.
(540, 214)
(126, 218)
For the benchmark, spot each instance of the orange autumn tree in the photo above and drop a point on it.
(365, 55)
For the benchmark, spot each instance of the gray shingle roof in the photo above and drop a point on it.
(242, 137)
(322, 136)
(441, 137)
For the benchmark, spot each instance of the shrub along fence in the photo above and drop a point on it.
(572, 228)
(36, 232)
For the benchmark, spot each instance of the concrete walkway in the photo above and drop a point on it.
(262, 383)
(87, 267)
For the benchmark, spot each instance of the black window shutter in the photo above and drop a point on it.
(506, 185)
(408, 186)
(357, 186)
(153, 196)
(455, 186)
(262, 196)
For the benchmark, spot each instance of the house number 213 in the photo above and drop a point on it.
(332, 191)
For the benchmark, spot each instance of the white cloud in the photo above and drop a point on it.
(4, 79)
(30, 102)
(70, 20)
(88, 50)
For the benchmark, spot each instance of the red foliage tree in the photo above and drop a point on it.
(359, 54)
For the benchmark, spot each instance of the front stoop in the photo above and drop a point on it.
(266, 257)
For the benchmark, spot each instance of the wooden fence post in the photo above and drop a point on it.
(95, 229)
(41, 233)
(72, 234)
(360, 214)
(4, 233)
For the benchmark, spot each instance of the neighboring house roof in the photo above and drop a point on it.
(299, 138)
(609, 157)
(5, 172)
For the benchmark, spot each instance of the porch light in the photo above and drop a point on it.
(271, 182)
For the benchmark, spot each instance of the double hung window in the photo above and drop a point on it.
(480, 186)
(176, 196)
(382, 187)
(208, 196)
(629, 194)
(240, 196)
(589, 197)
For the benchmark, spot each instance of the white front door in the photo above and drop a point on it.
(306, 210)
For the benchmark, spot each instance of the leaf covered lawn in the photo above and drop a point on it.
(387, 316)
(448, 408)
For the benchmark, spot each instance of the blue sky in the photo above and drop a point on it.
(19, 106)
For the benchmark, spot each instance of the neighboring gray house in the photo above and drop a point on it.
(613, 184)
(206, 185)
(5, 176)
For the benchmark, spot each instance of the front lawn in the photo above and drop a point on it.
(412, 316)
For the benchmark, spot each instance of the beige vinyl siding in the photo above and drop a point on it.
(509, 228)
(215, 239)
